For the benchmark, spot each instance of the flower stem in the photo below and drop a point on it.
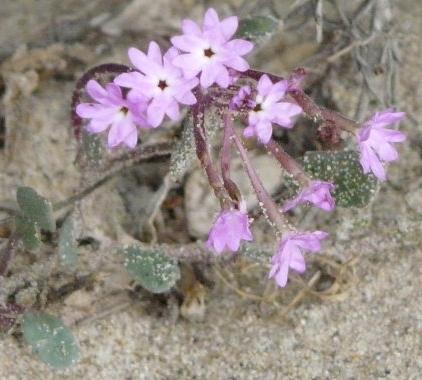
(276, 219)
(225, 159)
(203, 153)
(288, 162)
(317, 113)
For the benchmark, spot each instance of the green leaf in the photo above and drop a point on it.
(151, 268)
(258, 28)
(353, 187)
(50, 339)
(36, 208)
(28, 232)
(68, 247)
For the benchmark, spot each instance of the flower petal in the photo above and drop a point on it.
(211, 18)
(191, 27)
(241, 47)
(95, 91)
(143, 63)
(130, 80)
(264, 85)
(154, 53)
(228, 26)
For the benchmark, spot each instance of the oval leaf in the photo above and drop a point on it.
(50, 339)
(151, 268)
(28, 232)
(353, 187)
(36, 208)
(257, 28)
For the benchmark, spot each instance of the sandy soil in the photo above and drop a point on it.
(372, 331)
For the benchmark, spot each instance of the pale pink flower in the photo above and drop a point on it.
(210, 50)
(268, 108)
(113, 111)
(230, 228)
(289, 254)
(375, 142)
(241, 98)
(159, 81)
(318, 193)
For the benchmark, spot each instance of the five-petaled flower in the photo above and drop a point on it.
(230, 228)
(210, 50)
(113, 110)
(158, 80)
(318, 193)
(289, 254)
(267, 108)
(375, 142)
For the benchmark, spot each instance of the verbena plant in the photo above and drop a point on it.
(205, 71)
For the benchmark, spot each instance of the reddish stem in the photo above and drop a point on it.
(317, 113)
(266, 202)
(225, 159)
(203, 153)
(288, 162)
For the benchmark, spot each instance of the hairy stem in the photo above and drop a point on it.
(203, 152)
(270, 208)
(314, 111)
(225, 159)
(318, 113)
(288, 162)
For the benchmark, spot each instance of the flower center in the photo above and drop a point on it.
(208, 52)
(124, 110)
(162, 84)
(258, 107)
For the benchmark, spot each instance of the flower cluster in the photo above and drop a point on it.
(208, 59)
(161, 83)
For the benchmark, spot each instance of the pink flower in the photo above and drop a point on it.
(289, 254)
(210, 50)
(375, 142)
(228, 230)
(159, 81)
(318, 193)
(240, 99)
(268, 108)
(114, 111)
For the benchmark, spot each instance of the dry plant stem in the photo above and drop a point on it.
(8, 315)
(270, 208)
(203, 152)
(8, 254)
(117, 165)
(302, 293)
(315, 112)
(288, 163)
